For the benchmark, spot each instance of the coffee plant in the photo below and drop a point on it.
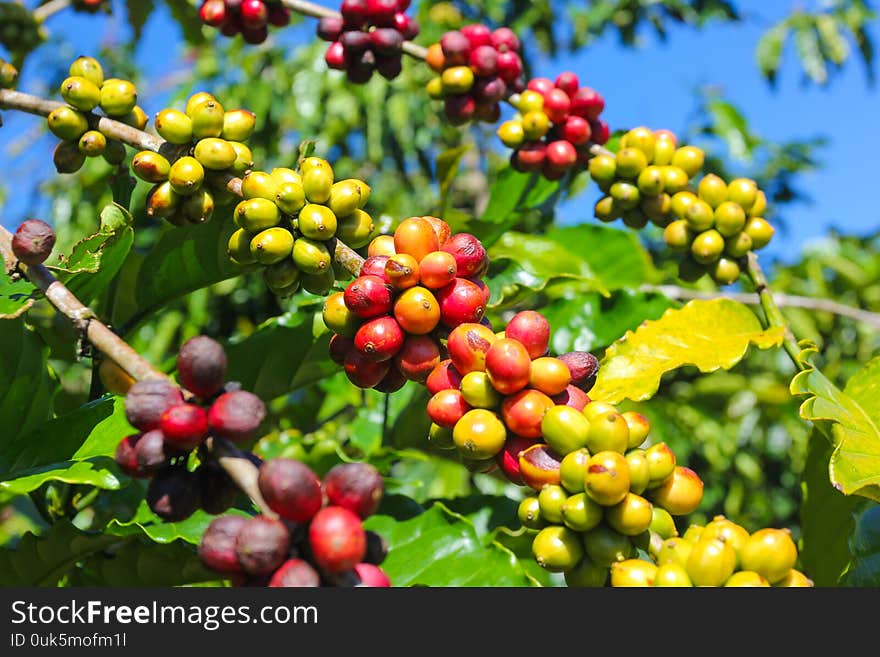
(236, 359)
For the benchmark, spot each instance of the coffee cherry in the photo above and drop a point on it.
(118, 97)
(707, 247)
(66, 123)
(529, 513)
(678, 236)
(379, 339)
(690, 159)
(33, 242)
(362, 371)
(508, 365)
(711, 562)
(236, 415)
(81, 93)
(262, 545)
(184, 426)
(357, 487)
(661, 464)
(795, 578)
(479, 434)
(337, 539)
(582, 365)
(477, 391)
(769, 552)
(557, 548)
(743, 192)
(738, 246)
(586, 574)
(173, 494)
(148, 400)
(633, 573)
(201, 366)
(217, 545)
(295, 573)
(639, 474)
(680, 494)
(607, 478)
(565, 430)
(725, 271)
(174, 126)
(460, 302)
(444, 376)
(760, 232)
(608, 432)
(217, 490)
(290, 489)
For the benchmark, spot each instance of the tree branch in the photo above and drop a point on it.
(239, 468)
(43, 12)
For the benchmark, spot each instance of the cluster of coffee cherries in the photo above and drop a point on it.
(85, 90)
(250, 18)
(318, 538)
(722, 553)
(8, 74)
(650, 179)
(367, 37)
(205, 147)
(477, 68)
(19, 31)
(490, 395)
(414, 287)
(172, 429)
(556, 124)
(289, 222)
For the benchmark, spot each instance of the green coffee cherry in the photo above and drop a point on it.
(606, 209)
(441, 438)
(337, 317)
(174, 126)
(661, 464)
(693, 533)
(67, 157)
(290, 197)
(186, 176)
(457, 80)
(596, 409)
(713, 190)
(114, 153)
(256, 214)
(725, 271)
(672, 575)
(760, 231)
(711, 562)
(657, 208)
(436, 92)
(557, 549)
(239, 248)
(81, 93)
(639, 475)
(690, 159)
(678, 236)
(197, 99)
(643, 139)
(356, 229)
(529, 512)
(345, 197)
(163, 201)
(581, 513)
(607, 432)
(312, 257)
(281, 275)
(707, 247)
(626, 195)
(88, 68)
(676, 179)
(68, 124)
(572, 470)
(283, 175)
(630, 163)
(565, 429)
(198, 208)
(238, 125)
(318, 284)
(662, 523)
(215, 154)
(317, 222)
(477, 390)
(118, 97)
(272, 245)
(244, 158)
(207, 119)
(730, 218)
(550, 499)
(92, 143)
(746, 578)
(664, 149)
(136, 118)
(760, 206)
(738, 246)
(259, 184)
(699, 216)
(605, 546)
(317, 183)
(744, 192)
(633, 573)
(631, 516)
(675, 550)
(586, 574)
(634, 219)
(8, 75)
(607, 478)
(728, 531)
(651, 181)
(603, 169)
(769, 552)
(150, 167)
(680, 203)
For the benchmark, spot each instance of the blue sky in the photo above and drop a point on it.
(652, 85)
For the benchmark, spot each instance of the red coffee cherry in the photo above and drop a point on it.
(147, 400)
(201, 366)
(236, 415)
(262, 545)
(357, 487)
(33, 241)
(337, 539)
(217, 547)
(290, 488)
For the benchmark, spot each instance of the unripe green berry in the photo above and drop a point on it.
(272, 245)
(662, 523)
(680, 203)
(730, 218)
(150, 167)
(626, 195)
(631, 516)
(725, 272)
(675, 178)
(174, 126)
(317, 222)
(550, 500)
(457, 80)
(630, 162)
(639, 474)
(435, 89)
(530, 101)
(511, 133)
(282, 274)
(586, 574)
(8, 75)
(651, 181)
(760, 231)
(529, 513)
(81, 93)
(557, 549)
(759, 209)
(699, 216)
(207, 119)
(197, 99)
(239, 247)
(604, 546)
(643, 139)
(737, 246)
(743, 191)
(118, 97)
(711, 562)
(198, 208)
(283, 175)
(713, 190)
(690, 159)
(657, 208)
(92, 143)
(606, 209)
(186, 176)
(215, 154)
(581, 513)
(312, 257)
(136, 118)
(634, 218)
(345, 197)
(678, 236)
(259, 184)
(67, 157)
(238, 125)
(707, 247)
(88, 68)
(257, 214)
(68, 124)
(290, 197)
(244, 158)
(163, 201)
(603, 169)
(689, 270)
(114, 153)
(535, 124)
(317, 183)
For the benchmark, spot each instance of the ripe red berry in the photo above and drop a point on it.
(583, 367)
(363, 372)
(147, 400)
(489, 89)
(217, 547)
(213, 12)
(337, 539)
(509, 66)
(236, 415)
(262, 545)
(460, 302)
(255, 35)
(576, 130)
(557, 105)
(339, 348)
(483, 60)
(279, 16)
(357, 487)
(335, 56)
(587, 103)
(456, 47)
(530, 156)
(568, 82)
(126, 458)
(561, 154)
(371, 576)
(330, 27)
(381, 12)
(470, 255)
(444, 376)
(504, 39)
(354, 13)
(295, 573)
(375, 266)
(355, 42)
(379, 338)
(393, 381)
(151, 453)
(201, 366)
(253, 14)
(33, 241)
(459, 109)
(184, 426)
(477, 35)
(600, 130)
(290, 488)
(532, 330)
(386, 40)
(368, 296)
(406, 25)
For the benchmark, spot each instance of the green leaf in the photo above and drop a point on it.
(810, 52)
(849, 419)
(512, 194)
(615, 256)
(16, 297)
(833, 44)
(731, 126)
(442, 548)
(448, 164)
(284, 354)
(769, 50)
(146, 523)
(187, 16)
(76, 448)
(709, 335)
(138, 12)
(865, 547)
(27, 390)
(43, 560)
(826, 518)
(183, 260)
(139, 563)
